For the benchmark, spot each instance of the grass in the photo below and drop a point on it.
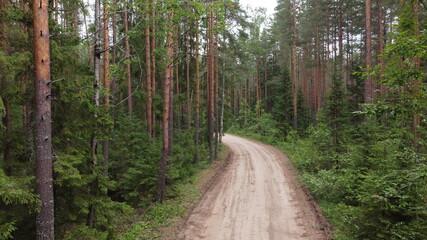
(160, 220)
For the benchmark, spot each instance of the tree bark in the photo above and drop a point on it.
(294, 66)
(216, 116)
(148, 71)
(153, 64)
(197, 110)
(105, 142)
(368, 58)
(128, 59)
(96, 86)
(45, 218)
(166, 99)
(211, 80)
(417, 83)
(187, 74)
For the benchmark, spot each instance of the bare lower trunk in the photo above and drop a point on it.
(45, 217)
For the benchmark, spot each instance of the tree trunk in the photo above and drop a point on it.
(216, 127)
(45, 218)
(197, 117)
(97, 57)
(153, 65)
(340, 40)
(166, 99)
(105, 142)
(127, 55)
(148, 71)
(258, 89)
(294, 67)
(417, 83)
(265, 83)
(221, 117)
(380, 44)
(368, 58)
(211, 89)
(187, 67)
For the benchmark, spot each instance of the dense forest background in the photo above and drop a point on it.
(137, 95)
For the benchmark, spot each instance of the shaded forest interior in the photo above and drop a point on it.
(109, 107)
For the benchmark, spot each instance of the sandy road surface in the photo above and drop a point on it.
(256, 198)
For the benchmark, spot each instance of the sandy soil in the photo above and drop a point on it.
(255, 198)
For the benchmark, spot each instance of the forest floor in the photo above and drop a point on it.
(256, 196)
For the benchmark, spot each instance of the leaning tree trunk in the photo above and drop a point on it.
(45, 217)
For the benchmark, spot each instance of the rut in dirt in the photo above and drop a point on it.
(255, 198)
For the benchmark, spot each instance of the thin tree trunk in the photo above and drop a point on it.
(105, 142)
(45, 217)
(114, 55)
(417, 82)
(210, 95)
(258, 89)
(197, 117)
(148, 71)
(166, 108)
(265, 83)
(89, 52)
(380, 43)
(127, 55)
(187, 66)
(368, 60)
(216, 127)
(97, 57)
(153, 65)
(7, 153)
(340, 39)
(294, 67)
(221, 117)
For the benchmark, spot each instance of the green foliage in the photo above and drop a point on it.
(15, 192)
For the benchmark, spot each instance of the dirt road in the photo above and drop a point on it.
(256, 198)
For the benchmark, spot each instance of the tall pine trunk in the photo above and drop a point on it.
(294, 66)
(166, 108)
(369, 88)
(127, 56)
(153, 64)
(197, 100)
(210, 86)
(148, 71)
(45, 217)
(106, 50)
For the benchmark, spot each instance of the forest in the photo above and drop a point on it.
(111, 108)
